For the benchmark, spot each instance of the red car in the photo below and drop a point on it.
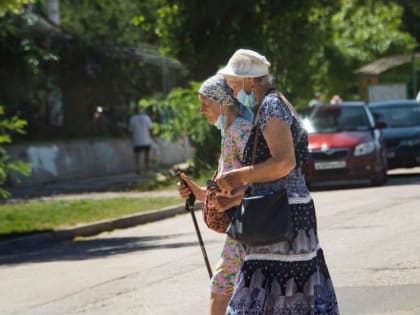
(345, 144)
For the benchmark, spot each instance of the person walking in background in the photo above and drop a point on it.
(285, 277)
(141, 128)
(418, 97)
(234, 121)
(316, 100)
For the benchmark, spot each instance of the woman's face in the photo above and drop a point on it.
(209, 108)
(238, 84)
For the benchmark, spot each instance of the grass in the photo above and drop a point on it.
(35, 216)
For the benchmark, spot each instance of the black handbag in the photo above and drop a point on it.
(261, 219)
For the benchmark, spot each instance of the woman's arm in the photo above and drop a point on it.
(278, 136)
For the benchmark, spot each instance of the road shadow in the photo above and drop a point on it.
(7, 236)
(403, 179)
(83, 249)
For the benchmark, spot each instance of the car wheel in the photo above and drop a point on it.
(379, 179)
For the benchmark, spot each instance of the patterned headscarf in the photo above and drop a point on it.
(216, 89)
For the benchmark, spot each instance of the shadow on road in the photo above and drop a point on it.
(92, 248)
(404, 179)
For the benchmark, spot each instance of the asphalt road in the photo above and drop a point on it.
(370, 236)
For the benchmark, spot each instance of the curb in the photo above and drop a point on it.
(43, 239)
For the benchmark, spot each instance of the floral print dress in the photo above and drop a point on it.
(288, 277)
(230, 262)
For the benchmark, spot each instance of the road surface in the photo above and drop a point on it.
(370, 236)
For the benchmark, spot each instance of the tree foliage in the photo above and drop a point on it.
(312, 45)
(366, 30)
(411, 18)
(12, 5)
(177, 116)
(115, 22)
(9, 167)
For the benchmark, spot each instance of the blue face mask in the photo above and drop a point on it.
(245, 112)
(220, 124)
(247, 99)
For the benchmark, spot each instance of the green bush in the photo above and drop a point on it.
(7, 166)
(177, 115)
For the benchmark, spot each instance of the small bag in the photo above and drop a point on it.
(261, 219)
(215, 220)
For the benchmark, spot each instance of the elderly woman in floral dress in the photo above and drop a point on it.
(234, 121)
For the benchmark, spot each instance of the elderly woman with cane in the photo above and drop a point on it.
(234, 121)
(288, 276)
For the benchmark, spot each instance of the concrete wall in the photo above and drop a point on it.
(66, 160)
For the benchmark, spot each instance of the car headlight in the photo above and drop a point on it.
(364, 148)
(307, 124)
(410, 142)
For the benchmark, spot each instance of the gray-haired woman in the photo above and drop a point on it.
(288, 277)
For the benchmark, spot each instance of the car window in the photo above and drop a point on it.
(337, 119)
(398, 116)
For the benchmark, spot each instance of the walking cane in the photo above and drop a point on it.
(189, 206)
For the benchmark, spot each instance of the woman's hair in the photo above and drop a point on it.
(267, 81)
(264, 80)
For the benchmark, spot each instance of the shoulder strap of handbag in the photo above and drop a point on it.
(256, 120)
(214, 175)
(257, 115)
(254, 145)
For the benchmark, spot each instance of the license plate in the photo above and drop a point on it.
(330, 165)
(390, 154)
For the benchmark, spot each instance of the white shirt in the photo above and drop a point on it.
(140, 126)
(418, 97)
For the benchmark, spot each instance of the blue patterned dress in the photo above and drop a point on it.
(287, 277)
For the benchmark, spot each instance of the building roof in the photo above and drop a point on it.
(384, 64)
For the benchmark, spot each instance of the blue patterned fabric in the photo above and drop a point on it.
(294, 182)
(286, 277)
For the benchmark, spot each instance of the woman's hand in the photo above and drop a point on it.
(187, 186)
(222, 202)
(183, 189)
(231, 181)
